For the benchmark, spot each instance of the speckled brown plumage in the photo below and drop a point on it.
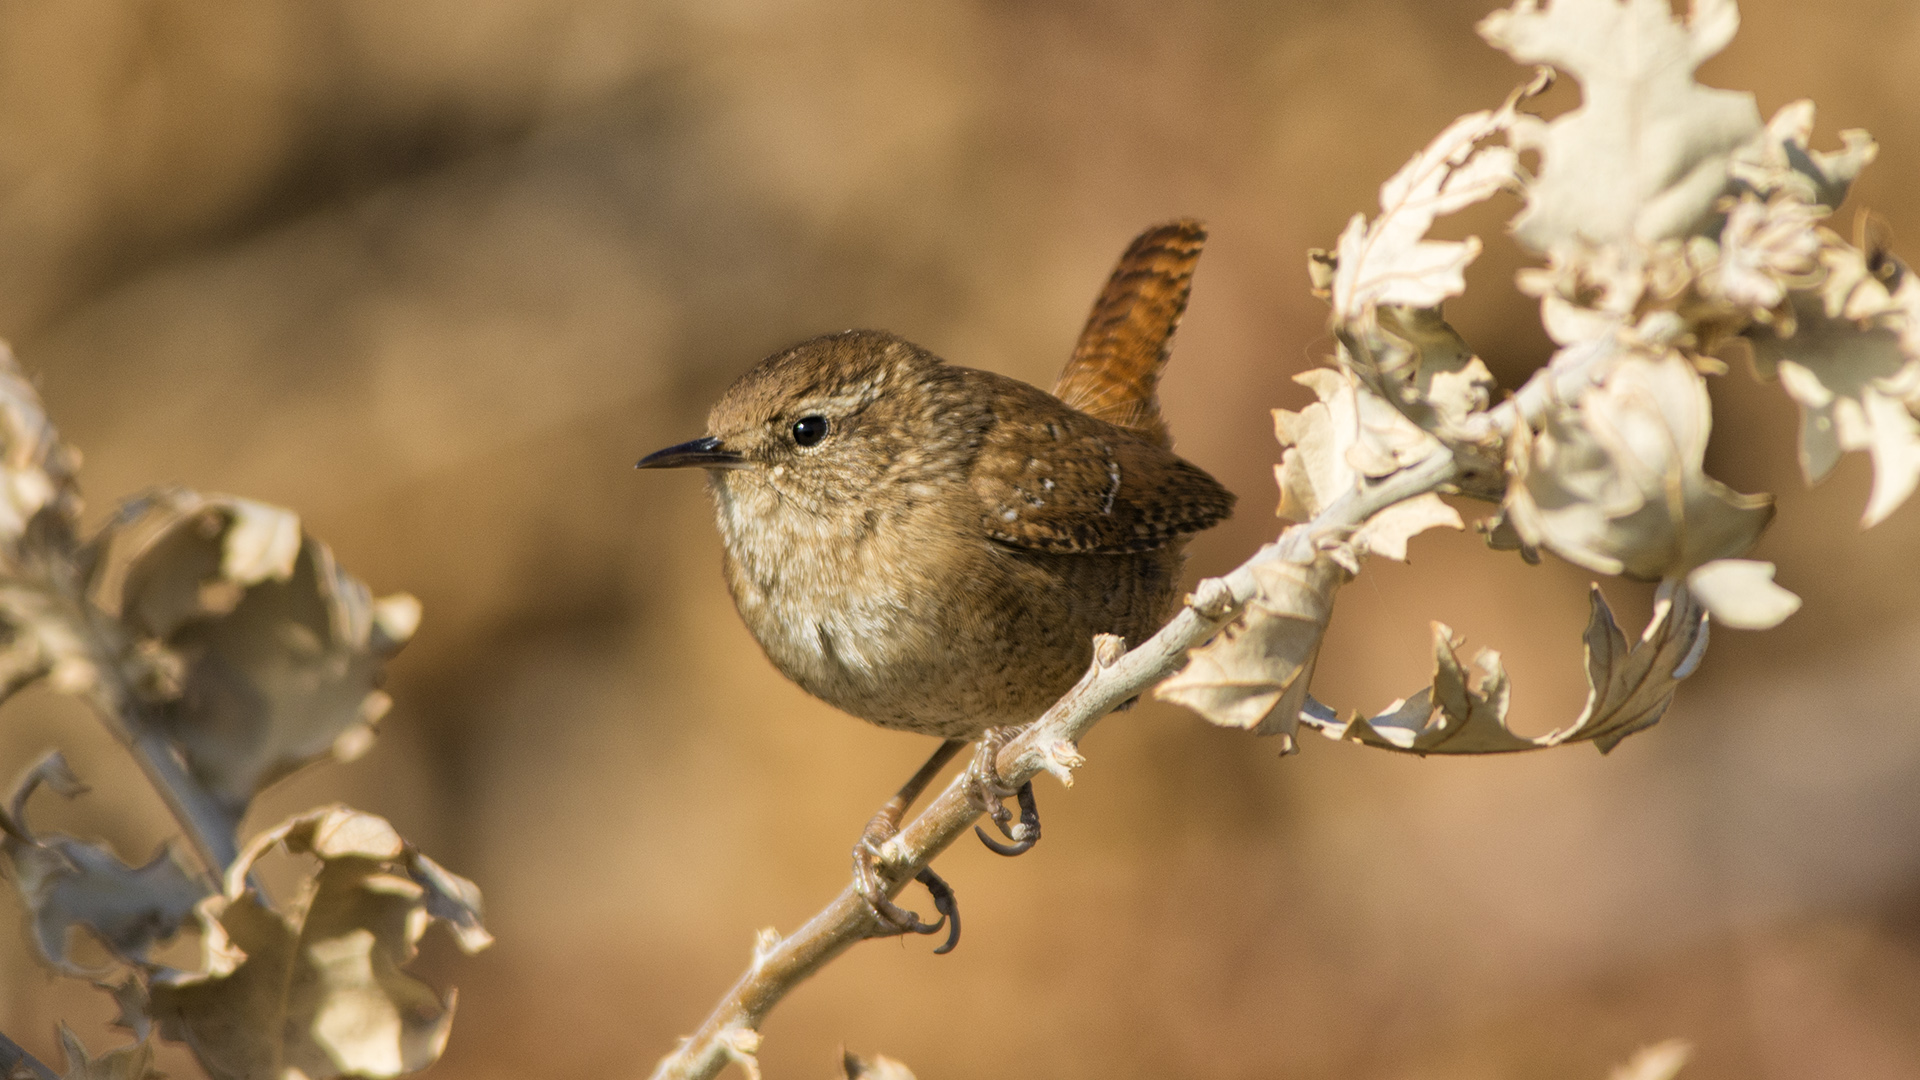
(1114, 374)
(940, 557)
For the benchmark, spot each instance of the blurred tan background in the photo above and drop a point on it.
(436, 273)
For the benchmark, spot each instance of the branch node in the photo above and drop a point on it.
(1212, 599)
(1062, 757)
(1108, 649)
(743, 1046)
(764, 942)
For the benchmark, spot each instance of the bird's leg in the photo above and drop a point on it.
(871, 883)
(987, 791)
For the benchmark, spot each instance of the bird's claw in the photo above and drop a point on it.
(894, 919)
(988, 792)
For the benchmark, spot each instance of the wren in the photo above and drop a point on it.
(932, 548)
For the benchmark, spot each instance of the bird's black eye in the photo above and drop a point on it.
(809, 430)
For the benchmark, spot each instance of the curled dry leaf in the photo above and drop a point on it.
(1629, 685)
(1348, 437)
(1385, 280)
(1390, 262)
(1767, 249)
(1614, 482)
(68, 884)
(1648, 152)
(264, 654)
(321, 989)
(1254, 674)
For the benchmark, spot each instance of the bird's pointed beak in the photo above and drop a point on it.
(706, 453)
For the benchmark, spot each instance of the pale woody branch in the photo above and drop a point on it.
(731, 1032)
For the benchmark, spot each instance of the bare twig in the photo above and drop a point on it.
(731, 1032)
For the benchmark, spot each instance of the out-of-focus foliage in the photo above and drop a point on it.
(263, 651)
(213, 633)
(131, 1062)
(1672, 222)
(318, 988)
(70, 884)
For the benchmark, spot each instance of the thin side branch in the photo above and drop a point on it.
(731, 1032)
(207, 825)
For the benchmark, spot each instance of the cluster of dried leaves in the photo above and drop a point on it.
(1675, 227)
(226, 649)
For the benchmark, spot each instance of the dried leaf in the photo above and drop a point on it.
(1349, 436)
(1850, 358)
(1661, 1061)
(1390, 262)
(1628, 689)
(1439, 383)
(881, 1067)
(68, 883)
(1741, 593)
(1781, 159)
(130, 1062)
(1766, 249)
(1254, 674)
(268, 653)
(36, 469)
(39, 512)
(321, 990)
(1647, 153)
(135, 1009)
(1614, 482)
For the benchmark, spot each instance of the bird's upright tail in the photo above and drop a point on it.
(1115, 370)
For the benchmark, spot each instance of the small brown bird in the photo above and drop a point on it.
(933, 548)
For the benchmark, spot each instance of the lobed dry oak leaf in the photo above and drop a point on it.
(1629, 686)
(1614, 482)
(1348, 437)
(264, 654)
(1390, 262)
(1385, 280)
(131, 1062)
(1850, 359)
(882, 1067)
(320, 990)
(1648, 152)
(69, 884)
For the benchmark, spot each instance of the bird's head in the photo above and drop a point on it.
(816, 427)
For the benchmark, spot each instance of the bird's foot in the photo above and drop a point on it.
(870, 882)
(988, 793)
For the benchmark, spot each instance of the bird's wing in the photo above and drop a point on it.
(1054, 480)
(1114, 374)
